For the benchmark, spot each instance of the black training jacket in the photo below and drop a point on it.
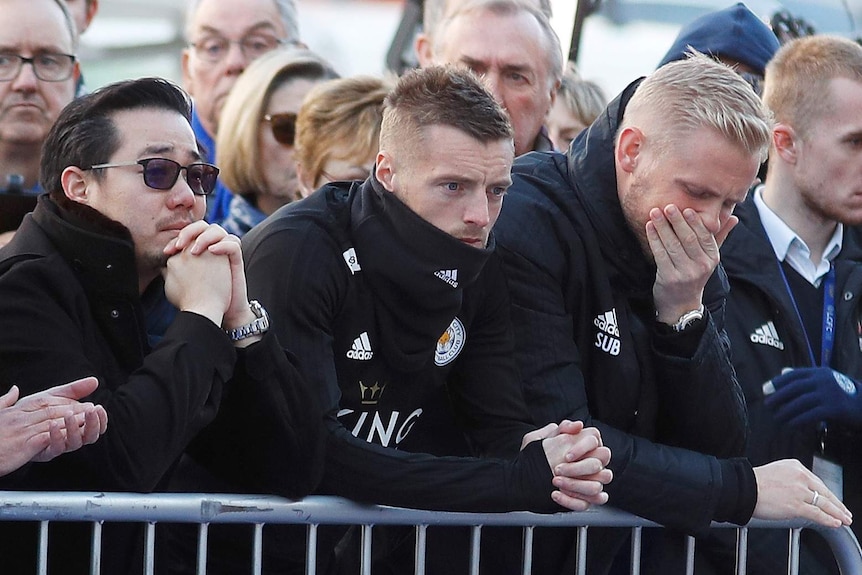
(405, 333)
(668, 405)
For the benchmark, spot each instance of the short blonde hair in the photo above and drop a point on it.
(699, 92)
(345, 112)
(238, 142)
(796, 84)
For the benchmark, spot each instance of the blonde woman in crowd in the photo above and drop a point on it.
(256, 135)
(338, 129)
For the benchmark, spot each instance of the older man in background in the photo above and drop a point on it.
(224, 37)
(511, 44)
(38, 73)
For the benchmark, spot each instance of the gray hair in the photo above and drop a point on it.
(699, 92)
(286, 9)
(70, 24)
(433, 12)
(553, 50)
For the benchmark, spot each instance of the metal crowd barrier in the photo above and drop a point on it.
(206, 509)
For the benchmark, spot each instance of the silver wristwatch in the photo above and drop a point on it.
(687, 319)
(258, 327)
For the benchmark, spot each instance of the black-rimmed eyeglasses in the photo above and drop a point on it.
(162, 174)
(47, 67)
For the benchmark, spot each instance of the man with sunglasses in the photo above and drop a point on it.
(224, 37)
(115, 275)
(38, 73)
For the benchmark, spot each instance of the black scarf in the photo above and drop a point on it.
(409, 263)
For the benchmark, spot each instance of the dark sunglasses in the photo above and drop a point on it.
(283, 127)
(162, 174)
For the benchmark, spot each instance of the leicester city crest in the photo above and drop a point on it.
(450, 343)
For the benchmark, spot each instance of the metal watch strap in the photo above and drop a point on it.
(258, 327)
(688, 318)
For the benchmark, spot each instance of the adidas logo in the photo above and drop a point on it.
(767, 335)
(607, 322)
(361, 349)
(448, 276)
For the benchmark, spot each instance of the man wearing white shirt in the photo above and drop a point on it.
(793, 313)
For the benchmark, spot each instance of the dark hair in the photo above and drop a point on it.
(84, 133)
(444, 95)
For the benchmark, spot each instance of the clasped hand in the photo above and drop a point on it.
(578, 460)
(205, 275)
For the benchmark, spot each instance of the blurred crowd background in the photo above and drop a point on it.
(619, 40)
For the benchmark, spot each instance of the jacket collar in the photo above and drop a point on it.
(418, 273)
(99, 249)
(593, 177)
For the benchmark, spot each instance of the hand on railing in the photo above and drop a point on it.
(787, 490)
(578, 460)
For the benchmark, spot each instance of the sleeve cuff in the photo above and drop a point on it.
(738, 495)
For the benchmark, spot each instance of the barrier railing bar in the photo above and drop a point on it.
(637, 534)
(581, 557)
(203, 545)
(96, 549)
(320, 510)
(689, 555)
(421, 542)
(741, 551)
(366, 549)
(475, 548)
(528, 551)
(311, 550)
(793, 564)
(257, 567)
(42, 568)
(150, 548)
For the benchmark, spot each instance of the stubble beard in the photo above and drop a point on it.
(630, 206)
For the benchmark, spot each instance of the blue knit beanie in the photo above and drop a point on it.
(735, 33)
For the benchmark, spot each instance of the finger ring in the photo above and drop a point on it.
(816, 498)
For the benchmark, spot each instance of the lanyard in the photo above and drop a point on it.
(828, 327)
(828, 323)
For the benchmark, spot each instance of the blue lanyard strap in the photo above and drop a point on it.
(828, 324)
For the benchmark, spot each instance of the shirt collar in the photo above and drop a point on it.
(788, 246)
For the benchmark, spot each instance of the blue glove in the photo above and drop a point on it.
(809, 395)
